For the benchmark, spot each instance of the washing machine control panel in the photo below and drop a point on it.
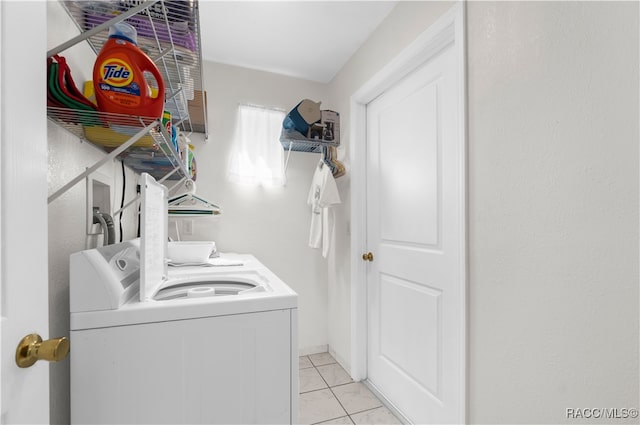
(104, 278)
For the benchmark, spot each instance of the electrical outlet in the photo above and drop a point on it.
(187, 227)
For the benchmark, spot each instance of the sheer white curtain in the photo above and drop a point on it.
(257, 156)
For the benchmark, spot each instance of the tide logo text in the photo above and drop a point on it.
(117, 73)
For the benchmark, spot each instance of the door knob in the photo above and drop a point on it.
(368, 256)
(31, 349)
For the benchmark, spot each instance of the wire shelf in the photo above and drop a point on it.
(152, 153)
(293, 141)
(168, 32)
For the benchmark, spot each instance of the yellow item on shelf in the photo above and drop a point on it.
(191, 162)
(106, 136)
(112, 139)
(88, 92)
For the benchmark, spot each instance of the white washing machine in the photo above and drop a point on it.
(185, 345)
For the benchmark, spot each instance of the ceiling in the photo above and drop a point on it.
(304, 39)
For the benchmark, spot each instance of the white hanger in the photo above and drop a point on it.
(188, 204)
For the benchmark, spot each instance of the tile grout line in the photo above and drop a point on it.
(328, 388)
(323, 380)
(334, 394)
(342, 385)
(339, 402)
(336, 397)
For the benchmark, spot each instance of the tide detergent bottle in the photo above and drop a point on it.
(119, 76)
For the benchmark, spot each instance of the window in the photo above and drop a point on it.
(256, 155)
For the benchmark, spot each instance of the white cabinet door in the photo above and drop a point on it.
(23, 207)
(415, 228)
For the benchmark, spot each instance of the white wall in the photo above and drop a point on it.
(68, 157)
(272, 224)
(553, 203)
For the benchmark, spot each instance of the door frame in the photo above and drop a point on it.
(449, 28)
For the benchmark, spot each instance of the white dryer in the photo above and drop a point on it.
(215, 345)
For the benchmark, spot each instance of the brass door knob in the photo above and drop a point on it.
(31, 349)
(368, 256)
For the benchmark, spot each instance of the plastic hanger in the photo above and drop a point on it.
(190, 204)
(330, 157)
(326, 158)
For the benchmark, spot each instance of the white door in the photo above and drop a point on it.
(23, 207)
(415, 230)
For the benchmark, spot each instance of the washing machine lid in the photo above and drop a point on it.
(153, 236)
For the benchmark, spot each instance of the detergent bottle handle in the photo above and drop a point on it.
(153, 69)
(160, 81)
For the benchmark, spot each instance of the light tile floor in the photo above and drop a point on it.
(328, 395)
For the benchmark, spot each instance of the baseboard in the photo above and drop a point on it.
(312, 350)
(346, 366)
